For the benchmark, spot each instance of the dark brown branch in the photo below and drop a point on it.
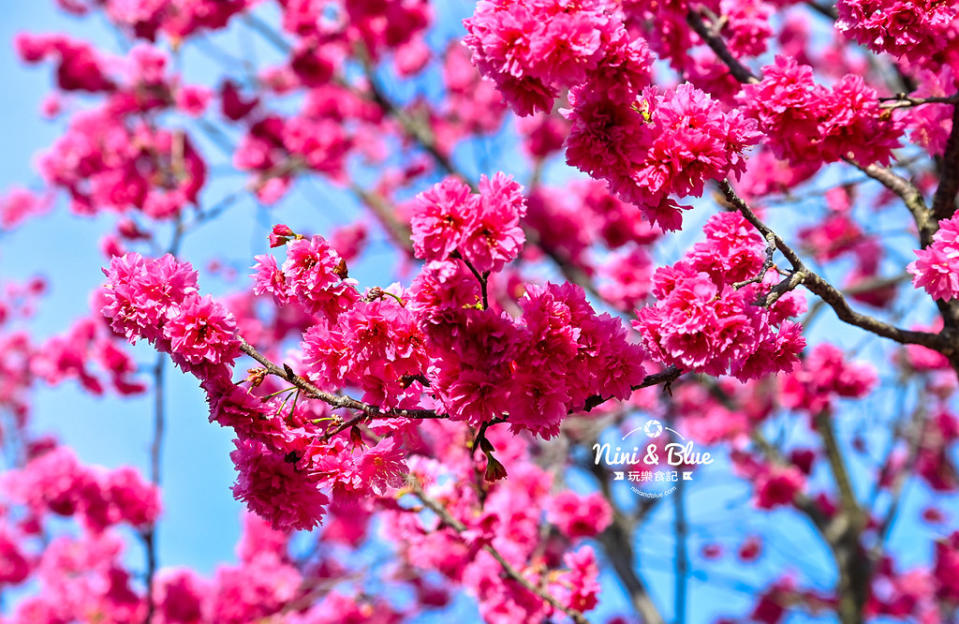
(829, 293)
(908, 192)
(851, 559)
(876, 283)
(902, 100)
(666, 377)
(944, 201)
(739, 71)
(842, 536)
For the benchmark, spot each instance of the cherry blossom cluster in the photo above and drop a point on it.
(481, 228)
(177, 19)
(158, 300)
(933, 462)
(112, 157)
(55, 481)
(936, 268)
(532, 50)
(18, 204)
(88, 352)
(537, 369)
(439, 338)
(388, 25)
(314, 276)
(823, 376)
(475, 106)
(621, 131)
(922, 32)
(87, 572)
(807, 122)
(87, 575)
(705, 318)
(930, 125)
(657, 143)
(319, 137)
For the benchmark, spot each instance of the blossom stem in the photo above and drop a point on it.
(482, 278)
(156, 450)
(616, 541)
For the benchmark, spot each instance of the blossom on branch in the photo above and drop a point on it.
(706, 319)
(936, 268)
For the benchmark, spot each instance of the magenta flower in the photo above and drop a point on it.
(936, 268)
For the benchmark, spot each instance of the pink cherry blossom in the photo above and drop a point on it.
(935, 267)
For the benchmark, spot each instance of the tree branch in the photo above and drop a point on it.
(156, 450)
(903, 100)
(666, 377)
(739, 71)
(823, 424)
(829, 293)
(449, 520)
(616, 542)
(909, 194)
(334, 400)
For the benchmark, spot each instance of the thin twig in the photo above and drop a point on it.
(482, 278)
(902, 100)
(829, 293)
(449, 520)
(908, 192)
(334, 400)
(617, 544)
(767, 264)
(944, 201)
(666, 377)
(739, 71)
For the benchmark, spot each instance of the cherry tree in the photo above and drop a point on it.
(731, 222)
